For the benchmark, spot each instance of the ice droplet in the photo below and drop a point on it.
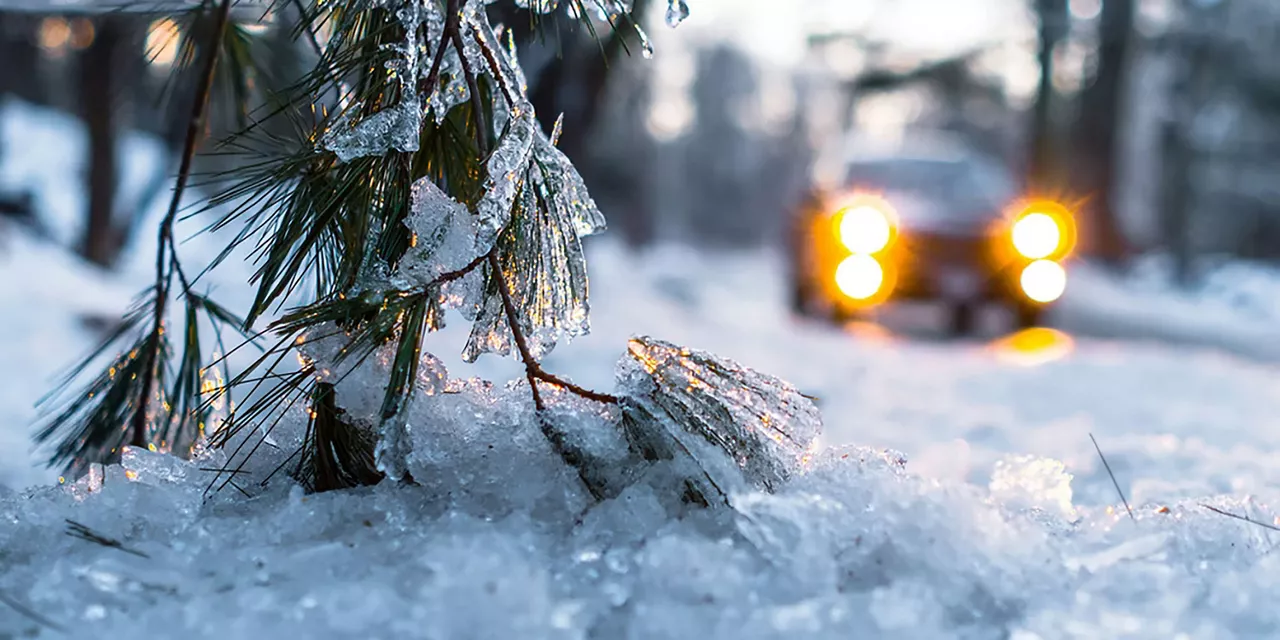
(646, 47)
(677, 12)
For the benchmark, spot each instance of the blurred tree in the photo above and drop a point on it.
(1042, 168)
(19, 57)
(109, 69)
(1095, 156)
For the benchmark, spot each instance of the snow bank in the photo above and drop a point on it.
(500, 540)
(1235, 305)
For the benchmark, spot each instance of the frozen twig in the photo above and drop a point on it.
(1113, 477)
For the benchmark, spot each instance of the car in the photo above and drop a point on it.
(927, 222)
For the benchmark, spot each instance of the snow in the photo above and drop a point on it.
(997, 520)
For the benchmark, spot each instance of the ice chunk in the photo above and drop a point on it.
(1030, 482)
(480, 451)
(538, 6)
(745, 429)
(153, 467)
(360, 382)
(444, 234)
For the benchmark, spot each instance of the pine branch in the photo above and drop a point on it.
(166, 251)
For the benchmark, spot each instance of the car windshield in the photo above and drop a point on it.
(977, 189)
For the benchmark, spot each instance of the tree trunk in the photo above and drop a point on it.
(99, 67)
(1096, 157)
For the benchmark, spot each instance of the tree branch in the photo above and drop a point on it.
(165, 268)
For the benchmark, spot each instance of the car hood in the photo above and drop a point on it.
(931, 215)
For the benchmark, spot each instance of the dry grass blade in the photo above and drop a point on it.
(30, 613)
(77, 530)
(1114, 482)
(1237, 516)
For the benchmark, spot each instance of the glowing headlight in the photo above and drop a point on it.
(1044, 281)
(1036, 235)
(865, 229)
(859, 276)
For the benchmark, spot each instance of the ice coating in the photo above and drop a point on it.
(747, 430)
(444, 232)
(565, 191)
(547, 211)
(506, 168)
(396, 127)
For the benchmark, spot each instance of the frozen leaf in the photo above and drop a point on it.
(746, 430)
(451, 87)
(444, 233)
(397, 127)
(510, 100)
(541, 258)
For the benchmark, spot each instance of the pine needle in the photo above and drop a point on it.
(1113, 477)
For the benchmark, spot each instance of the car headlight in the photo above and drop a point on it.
(865, 229)
(859, 276)
(1037, 235)
(1043, 281)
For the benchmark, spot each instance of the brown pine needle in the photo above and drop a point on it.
(1113, 477)
(1228, 514)
(77, 530)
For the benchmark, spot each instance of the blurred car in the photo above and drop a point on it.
(927, 222)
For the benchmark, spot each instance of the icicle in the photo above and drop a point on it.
(646, 47)
(557, 129)
(677, 12)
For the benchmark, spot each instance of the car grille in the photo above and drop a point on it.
(946, 251)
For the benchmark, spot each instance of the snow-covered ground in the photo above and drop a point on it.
(1003, 522)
